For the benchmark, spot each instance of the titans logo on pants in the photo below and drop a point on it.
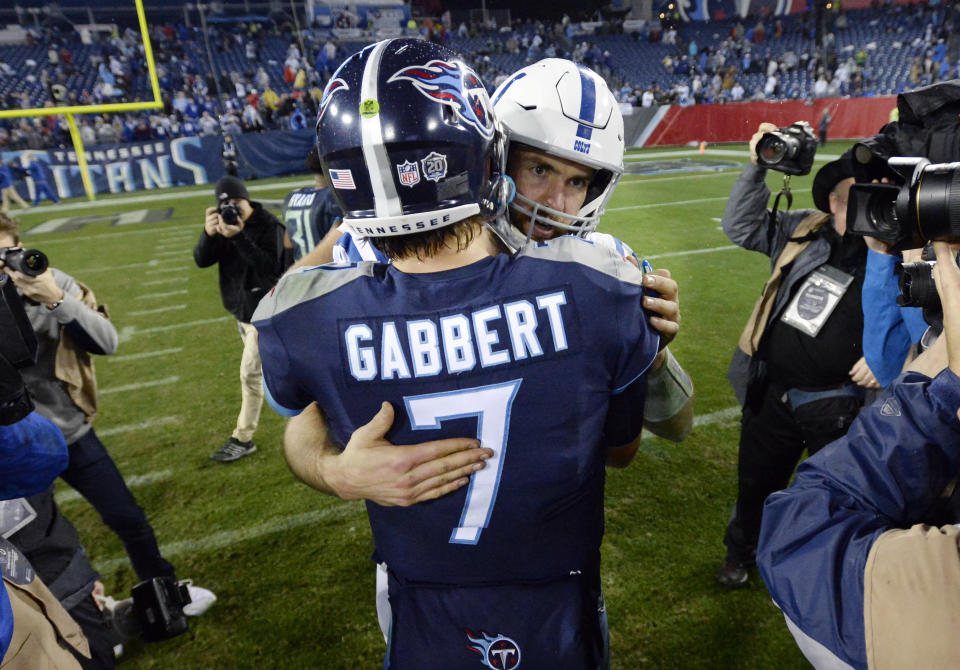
(498, 652)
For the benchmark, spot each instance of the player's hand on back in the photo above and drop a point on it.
(372, 468)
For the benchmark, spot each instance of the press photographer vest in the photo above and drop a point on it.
(757, 323)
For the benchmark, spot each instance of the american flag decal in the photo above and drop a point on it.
(342, 179)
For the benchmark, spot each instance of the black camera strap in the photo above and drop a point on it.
(786, 194)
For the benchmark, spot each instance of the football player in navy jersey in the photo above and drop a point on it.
(310, 214)
(564, 150)
(547, 174)
(522, 352)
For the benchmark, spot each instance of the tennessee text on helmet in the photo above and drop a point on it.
(565, 110)
(406, 135)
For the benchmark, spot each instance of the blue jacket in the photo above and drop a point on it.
(32, 454)
(894, 462)
(37, 172)
(888, 328)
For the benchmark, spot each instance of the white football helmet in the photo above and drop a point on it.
(565, 110)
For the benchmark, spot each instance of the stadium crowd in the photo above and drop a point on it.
(270, 76)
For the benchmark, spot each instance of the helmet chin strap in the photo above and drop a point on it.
(502, 191)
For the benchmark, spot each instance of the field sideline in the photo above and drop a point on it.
(291, 567)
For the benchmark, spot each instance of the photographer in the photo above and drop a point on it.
(845, 551)
(69, 327)
(798, 369)
(247, 242)
(33, 623)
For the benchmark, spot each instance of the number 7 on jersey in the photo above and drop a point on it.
(491, 405)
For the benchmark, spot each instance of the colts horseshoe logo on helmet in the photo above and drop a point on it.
(452, 84)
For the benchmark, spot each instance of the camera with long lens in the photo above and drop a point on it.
(923, 206)
(30, 262)
(229, 213)
(789, 150)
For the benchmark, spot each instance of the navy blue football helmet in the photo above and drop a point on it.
(408, 140)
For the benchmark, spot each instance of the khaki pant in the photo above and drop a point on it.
(10, 193)
(251, 384)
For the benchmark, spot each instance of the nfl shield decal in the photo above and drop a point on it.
(434, 166)
(409, 173)
(497, 652)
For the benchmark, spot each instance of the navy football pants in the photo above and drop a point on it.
(560, 623)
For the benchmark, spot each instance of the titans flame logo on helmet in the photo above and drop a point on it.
(333, 86)
(452, 84)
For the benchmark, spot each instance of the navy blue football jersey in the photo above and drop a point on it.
(523, 352)
(308, 214)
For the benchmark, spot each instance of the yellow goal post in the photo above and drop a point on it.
(70, 110)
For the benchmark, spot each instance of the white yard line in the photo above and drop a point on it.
(69, 495)
(707, 419)
(215, 541)
(109, 268)
(166, 381)
(716, 417)
(145, 354)
(637, 179)
(178, 252)
(100, 236)
(157, 282)
(179, 268)
(733, 153)
(161, 295)
(691, 252)
(674, 203)
(129, 331)
(143, 425)
(158, 310)
(160, 197)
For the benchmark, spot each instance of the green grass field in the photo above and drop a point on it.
(290, 566)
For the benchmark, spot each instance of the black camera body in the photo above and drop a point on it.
(917, 287)
(30, 262)
(229, 213)
(922, 205)
(158, 604)
(789, 150)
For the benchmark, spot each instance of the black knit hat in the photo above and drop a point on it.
(829, 176)
(313, 163)
(229, 188)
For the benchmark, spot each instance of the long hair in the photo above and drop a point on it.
(429, 242)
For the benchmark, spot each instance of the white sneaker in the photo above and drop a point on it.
(200, 599)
